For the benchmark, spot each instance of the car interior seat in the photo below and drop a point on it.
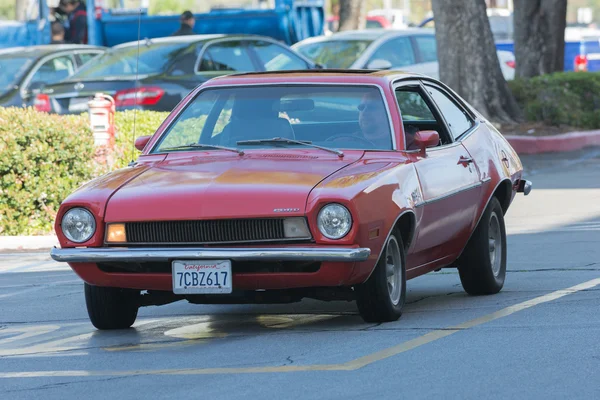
(253, 119)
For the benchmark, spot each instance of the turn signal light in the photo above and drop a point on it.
(115, 233)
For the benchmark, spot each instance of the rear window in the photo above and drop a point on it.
(119, 62)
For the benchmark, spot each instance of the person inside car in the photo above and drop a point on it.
(187, 24)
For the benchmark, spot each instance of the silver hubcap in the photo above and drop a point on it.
(495, 244)
(393, 268)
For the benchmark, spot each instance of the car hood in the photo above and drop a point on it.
(211, 185)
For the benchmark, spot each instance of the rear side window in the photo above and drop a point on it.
(274, 57)
(427, 48)
(399, 52)
(226, 56)
(458, 121)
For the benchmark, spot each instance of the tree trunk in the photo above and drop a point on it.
(468, 61)
(21, 10)
(539, 36)
(350, 14)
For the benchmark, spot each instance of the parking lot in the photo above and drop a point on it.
(536, 338)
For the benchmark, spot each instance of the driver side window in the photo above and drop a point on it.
(398, 52)
(418, 115)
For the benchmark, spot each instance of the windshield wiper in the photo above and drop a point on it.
(290, 141)
(203, 146)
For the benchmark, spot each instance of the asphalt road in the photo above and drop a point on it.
(538, 338)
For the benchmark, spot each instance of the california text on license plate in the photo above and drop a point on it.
(201, 276)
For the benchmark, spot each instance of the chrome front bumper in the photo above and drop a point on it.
(124, 254)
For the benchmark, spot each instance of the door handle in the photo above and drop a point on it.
(465, 160)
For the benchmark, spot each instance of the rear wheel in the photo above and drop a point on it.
(482, 267)
(382, 296)
(111, 308)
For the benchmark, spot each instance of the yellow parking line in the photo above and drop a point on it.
(348, 366)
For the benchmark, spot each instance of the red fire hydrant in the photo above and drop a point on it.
(102, 119)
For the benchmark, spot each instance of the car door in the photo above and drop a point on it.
(426, 52)
(221, 57)
(272, 56)
(394, 53)
(49, 71)
(450, 181)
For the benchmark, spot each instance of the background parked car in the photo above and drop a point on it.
(412, 49)
(167, 70)
(25, 70)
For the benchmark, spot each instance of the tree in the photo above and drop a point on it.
(350, 14)
(20, 10)
(539, 36)
(468, 61)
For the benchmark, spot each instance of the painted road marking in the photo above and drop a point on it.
(196, 331)
(348, 366)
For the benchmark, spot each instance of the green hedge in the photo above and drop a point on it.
(563, 98)
(43, 158)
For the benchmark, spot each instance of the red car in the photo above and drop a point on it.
(276, 186)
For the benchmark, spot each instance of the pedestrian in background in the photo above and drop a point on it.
(58, 33)
(187, 24)
(77, 31)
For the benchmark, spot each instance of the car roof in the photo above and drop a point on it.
(321, 76)
(192, 39)
(45, 49)
(367, 34)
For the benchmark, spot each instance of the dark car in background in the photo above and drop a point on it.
(156, 74)
(26, 70)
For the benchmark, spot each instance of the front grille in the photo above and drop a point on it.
(205, 231)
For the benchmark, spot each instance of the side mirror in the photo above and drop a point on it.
(425, 139)
(379, 64)
(141, 142)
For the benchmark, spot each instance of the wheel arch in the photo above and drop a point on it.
(504, 194)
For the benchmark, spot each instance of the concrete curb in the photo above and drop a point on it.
(556, 143)
(28, 242)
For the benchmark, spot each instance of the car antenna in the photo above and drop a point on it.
(135, 92)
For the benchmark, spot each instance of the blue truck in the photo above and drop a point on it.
(289, 21)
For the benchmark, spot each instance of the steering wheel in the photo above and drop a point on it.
(346, 135)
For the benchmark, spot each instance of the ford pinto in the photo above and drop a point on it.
(277, 186)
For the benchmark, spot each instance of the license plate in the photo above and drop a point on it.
(201, 276)
(79, 104)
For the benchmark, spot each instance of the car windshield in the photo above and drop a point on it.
(12, 69)
(123, 62)
(330, 116)
(334, 53)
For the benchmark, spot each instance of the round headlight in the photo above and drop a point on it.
(78, 225)
(334, 221)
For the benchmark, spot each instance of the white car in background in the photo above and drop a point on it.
(412, 49)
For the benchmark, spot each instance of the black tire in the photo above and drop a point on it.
(481, 271)
(111, 308)
(374, 300)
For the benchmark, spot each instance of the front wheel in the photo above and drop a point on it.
(382, 296)
(482, 266)
(111, 308)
